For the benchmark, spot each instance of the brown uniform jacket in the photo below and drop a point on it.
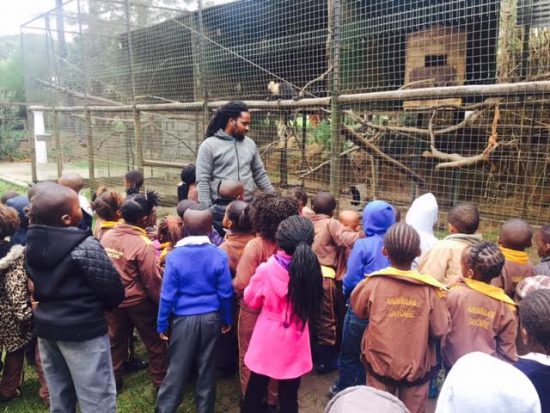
(443, 261)
(511, 275)
(479, 322)
(257, 250)
(331, 240)
(134, 258)
(406, 318)
(234, 246)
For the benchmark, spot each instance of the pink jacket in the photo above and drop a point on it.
(279, 347)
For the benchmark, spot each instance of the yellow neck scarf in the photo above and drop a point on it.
(108, 224)
(489, 291)
(519, 257)
(411, 274)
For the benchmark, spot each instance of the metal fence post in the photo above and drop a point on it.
(336, 141)
(139, 140)
(90, 143)
(57, 137)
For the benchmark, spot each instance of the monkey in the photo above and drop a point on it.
(279, 90)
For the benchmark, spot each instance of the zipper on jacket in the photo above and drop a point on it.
(238, 162)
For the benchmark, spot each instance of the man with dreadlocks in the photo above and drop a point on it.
(228, 154)
(133, 255)
(407, 316)
(483, 317)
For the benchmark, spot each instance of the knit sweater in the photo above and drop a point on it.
(196, 281)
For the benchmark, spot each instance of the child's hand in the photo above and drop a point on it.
(226, 329)
(164, 337)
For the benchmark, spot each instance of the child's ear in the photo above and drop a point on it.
(469, 273)
(452, 229)
(499, 240)
(524, 336)
(66, 220)
(418, 252)
(384, 252)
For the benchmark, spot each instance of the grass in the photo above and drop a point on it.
(6, 186)
(137, 395)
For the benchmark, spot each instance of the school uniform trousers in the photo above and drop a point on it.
(144, 317)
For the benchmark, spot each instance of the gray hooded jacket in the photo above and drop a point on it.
(222, 157)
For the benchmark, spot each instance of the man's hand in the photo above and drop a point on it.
(164, 337)
(226, 329)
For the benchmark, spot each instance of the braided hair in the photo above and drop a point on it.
(170, 229)
(238, 212)
(106, 204)
(485, 259)
(230, 110)
(534, 315)
(402, 243)
(138, 206)
(305, 288)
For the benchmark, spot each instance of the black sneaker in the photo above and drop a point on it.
(135, 364)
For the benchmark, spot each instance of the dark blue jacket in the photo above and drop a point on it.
(196, 280)
(366, 255)
(539, 374)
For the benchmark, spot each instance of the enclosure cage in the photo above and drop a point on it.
(377, 99)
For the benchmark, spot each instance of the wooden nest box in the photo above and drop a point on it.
(435, 57)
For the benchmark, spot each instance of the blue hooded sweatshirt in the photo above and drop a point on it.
(366, 255)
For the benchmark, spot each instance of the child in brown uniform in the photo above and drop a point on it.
(407, 315)
(268, 211)
(238, 232)
(515, 237)
(542, 241)
(133, 256)
(443, 260)
(106, 206)
(331, 241)
(483, 317)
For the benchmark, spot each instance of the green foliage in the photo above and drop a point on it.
(322, 134)
(11, 127)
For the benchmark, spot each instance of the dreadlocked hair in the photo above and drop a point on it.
(9, 221)
(402, 243)
(138, 206)
(305, 287)
(107, 203)
(485, 259)
(170, 229)
(230, 110)
(238, 212)
(534, 316)
(269, 210)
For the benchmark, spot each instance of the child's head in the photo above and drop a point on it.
(137, 209)
(534, 316)
(237, 217)
(133, 181)
(188, 174)
(350, 219)
(55, 205)
(231, 190)
(482, 261)
(542, 241)
(170, 229)
(516, 234)
(269, 210)
(299, 194)
(7, 196)
(463, 219)
(305, 288)
(107, 203)
(323, 203)
(71, 180)
(401, 245)
(9, 221)
(197, 220)
(184, 206)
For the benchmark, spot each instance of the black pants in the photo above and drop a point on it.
(193, 339)
(256, 393)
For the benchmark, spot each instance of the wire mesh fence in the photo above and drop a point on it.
(370, 99)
